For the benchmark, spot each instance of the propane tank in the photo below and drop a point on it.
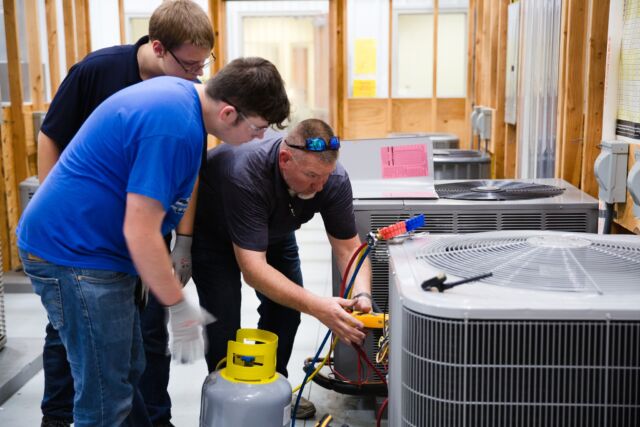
(248, 392)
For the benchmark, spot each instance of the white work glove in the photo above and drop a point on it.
(186, 339)
(181, 258)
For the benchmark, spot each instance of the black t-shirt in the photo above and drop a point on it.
(89, 82)
(243, 198)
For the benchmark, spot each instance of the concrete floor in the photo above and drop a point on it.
(26, 319)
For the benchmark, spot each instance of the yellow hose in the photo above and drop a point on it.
(223, 360)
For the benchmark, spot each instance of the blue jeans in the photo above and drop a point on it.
(155, 379)
(98, 324)
(217, 278)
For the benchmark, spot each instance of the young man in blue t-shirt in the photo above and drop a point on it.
(179, 44)
(98, 221)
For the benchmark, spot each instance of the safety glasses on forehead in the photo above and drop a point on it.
(318, 144)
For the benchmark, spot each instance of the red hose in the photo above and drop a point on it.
(346, 271)
(381, 412)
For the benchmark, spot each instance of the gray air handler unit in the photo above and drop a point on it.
(461, 164)
(439, 141)
(551, 338)
(248, 392)
(463, 207)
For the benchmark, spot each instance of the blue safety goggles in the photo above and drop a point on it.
(318, 144)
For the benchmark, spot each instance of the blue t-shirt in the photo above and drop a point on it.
(88, 83)
(146, 139)
(243, 198)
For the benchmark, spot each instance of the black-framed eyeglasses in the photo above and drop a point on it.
(318, 144)
(244, 117)
(193, 69)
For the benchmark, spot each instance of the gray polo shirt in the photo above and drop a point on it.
(243, 197)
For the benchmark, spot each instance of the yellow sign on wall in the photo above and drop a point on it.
(365, 56)
(364, 88)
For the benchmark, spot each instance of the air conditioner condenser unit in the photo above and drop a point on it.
(568, 210)
(551, 339)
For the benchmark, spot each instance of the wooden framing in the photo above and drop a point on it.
(510, 150)
(15, 86)
(498, 135)
(561, 84)
(83, 29)
(487, 74)
(569, 132)
(595, 75)
(5, 243)
(11, 212)
(36, 79)
(482, 47)
(434, 89)
(369, 117)
(14, 150)
(69, 33)
(471, 49)
(337, 64)
(121, 21)
(389, 108)
(218, 16)
(51, 13)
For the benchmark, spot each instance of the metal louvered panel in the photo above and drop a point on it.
(520, 221)
(566, 222)
(476, 222)
(3, 328)
(439, 223)
(525, 372)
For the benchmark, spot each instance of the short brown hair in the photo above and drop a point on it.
(254, 87)
(175, 22)
(314, 128)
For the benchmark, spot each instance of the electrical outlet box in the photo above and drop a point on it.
(633, 182)
(484, 125)
(481, 121)
(610, 169)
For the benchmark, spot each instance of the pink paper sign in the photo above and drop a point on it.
(404, 162)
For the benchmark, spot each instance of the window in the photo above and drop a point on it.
(294, 36)
(413, 49)
(368, 48)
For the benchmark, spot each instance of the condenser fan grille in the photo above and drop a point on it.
(491, 373)
(496, 190)
(549, 261)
